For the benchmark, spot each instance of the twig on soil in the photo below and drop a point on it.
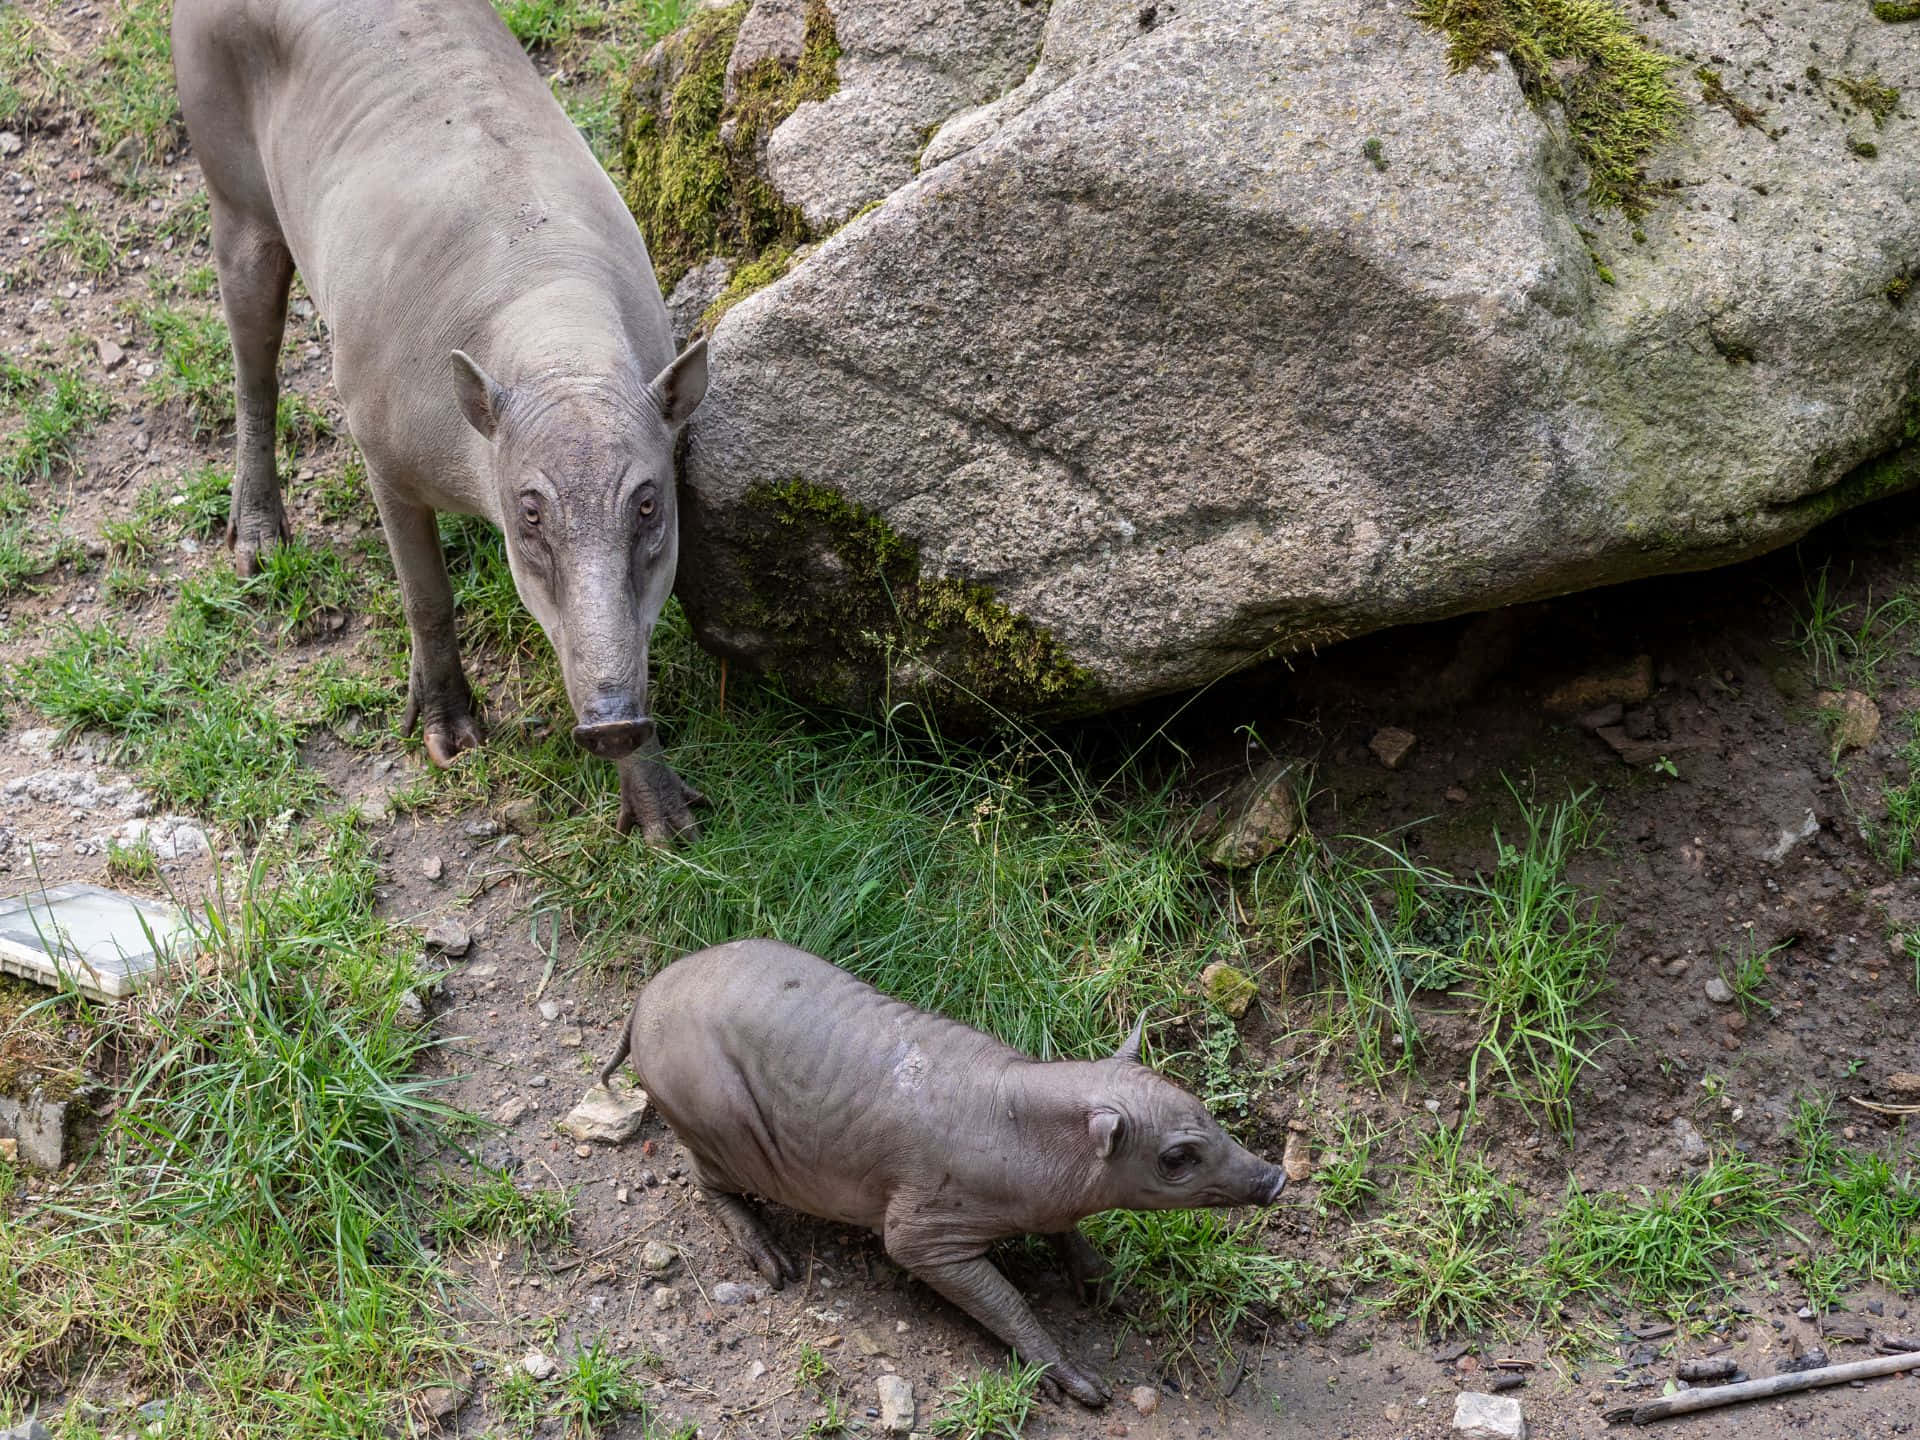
(1713, 1397)
(1239, 1374)
(1880, 1109)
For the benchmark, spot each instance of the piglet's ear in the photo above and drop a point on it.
(1104, 1127)
(1130, 1047)
(482, 398)
(683, 384)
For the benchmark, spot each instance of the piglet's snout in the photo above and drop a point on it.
(1275, 1185)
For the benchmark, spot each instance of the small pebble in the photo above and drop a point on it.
(433, 867)
(539, 1366)
(585, 1152)
(549, 1010)
(665, 1298)
(536, 1082)
(1145, 1399)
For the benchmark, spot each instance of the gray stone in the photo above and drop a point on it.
(1693, 1146)
(730, 1292)
(698, 289)
(433, 867)
(26, 1429)
(656, 1258)
(1159, 361)
(611, 1117)
(1488, 1417)
(905, 66)
(1255, 818)
(665, 1297)
(772, 30)
(538, 1364)
(549, 1009)
(449, 936)
(39, 1126)
(1719, 992)
(1144, 1398)
(10, 143)
(896, 1404)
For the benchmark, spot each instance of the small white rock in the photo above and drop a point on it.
(1487, 1417)
(657, 1258)
(538, 1365)
(609, 1117)
(549, 1010)
(433, 867)
(1719, 992)
(1144, 1398)
(665, 1298)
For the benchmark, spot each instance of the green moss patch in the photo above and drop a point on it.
(886, 618)
(752, 275)
(692, 157)
(1620, 100)
(1872, 95)
(1896, 11)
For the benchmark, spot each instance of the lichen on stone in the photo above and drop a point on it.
(1615, 87)
(878, 629)
(692, 157)
(1896, 11)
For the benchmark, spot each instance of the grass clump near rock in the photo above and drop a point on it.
(692, 154)
(1620, 101)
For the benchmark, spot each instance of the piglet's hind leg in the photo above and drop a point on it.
(749, 1230)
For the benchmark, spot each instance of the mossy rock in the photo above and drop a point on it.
(842, 612)
(692, 157)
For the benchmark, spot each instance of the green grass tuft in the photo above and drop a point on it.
(994, 1405)
(196, 366)
(208, 735)
(1445, 1251)
(1669, 1247)
(132, 95)
(489, 1206)
(1188, 1273)
(246, 1242)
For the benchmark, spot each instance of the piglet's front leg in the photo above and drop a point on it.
(984, 1293)
(656, 799)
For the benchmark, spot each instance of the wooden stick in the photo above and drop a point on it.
(1879, 1109)
(1713, 1396)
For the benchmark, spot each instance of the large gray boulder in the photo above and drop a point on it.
(1240, 328)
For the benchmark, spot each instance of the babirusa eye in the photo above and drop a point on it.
(530, 512)
(646, 505)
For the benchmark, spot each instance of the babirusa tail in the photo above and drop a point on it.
(620, 1054)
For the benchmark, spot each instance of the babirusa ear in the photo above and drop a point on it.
(482, 398)
(1130, 1047)
(1104, 1128)
(683, 384)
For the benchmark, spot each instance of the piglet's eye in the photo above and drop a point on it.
(1178, 1161)
(530, 512)
(646, 505)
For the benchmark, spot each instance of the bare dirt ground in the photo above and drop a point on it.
(1731, 825)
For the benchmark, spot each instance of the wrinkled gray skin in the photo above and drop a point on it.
(785, 1077)
(498, 338)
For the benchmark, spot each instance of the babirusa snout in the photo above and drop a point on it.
(1277, 1183)
(613, 726)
